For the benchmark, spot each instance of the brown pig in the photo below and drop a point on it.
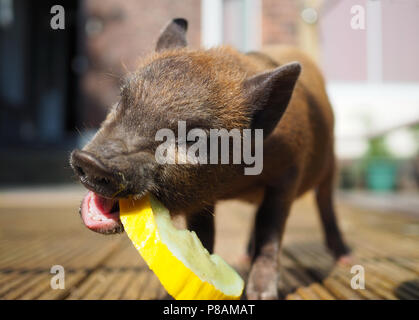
(218, 88)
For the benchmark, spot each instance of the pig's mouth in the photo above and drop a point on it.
(101, 214)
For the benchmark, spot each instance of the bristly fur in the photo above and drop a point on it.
(181, 79)
(223, 88)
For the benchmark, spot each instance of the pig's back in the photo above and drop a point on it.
(311, 77)
(304, 136)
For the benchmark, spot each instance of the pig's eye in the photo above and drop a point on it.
(200, 134)
(191, 142)
(117, 106)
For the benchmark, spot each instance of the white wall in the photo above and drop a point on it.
(234, 22)
(212, 23)
(363, 109)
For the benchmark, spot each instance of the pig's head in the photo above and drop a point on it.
(206, 89)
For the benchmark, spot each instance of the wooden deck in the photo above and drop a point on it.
(42, 229)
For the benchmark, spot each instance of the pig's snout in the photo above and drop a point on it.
(94, 174)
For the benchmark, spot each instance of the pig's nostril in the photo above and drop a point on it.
(80, 171)
(104, 181)
(93, 173)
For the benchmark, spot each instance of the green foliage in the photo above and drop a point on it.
(377, 148)
(415, 131)
(378, 166)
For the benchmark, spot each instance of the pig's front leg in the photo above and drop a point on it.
(267, 235)
(203, 223)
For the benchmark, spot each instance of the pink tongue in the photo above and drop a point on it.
(102, 204)
(96, 213)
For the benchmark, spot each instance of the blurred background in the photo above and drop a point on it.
(56, 85)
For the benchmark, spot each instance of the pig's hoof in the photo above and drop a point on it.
(263, 279)
(339, 249)
(244, 260)
(345, 260)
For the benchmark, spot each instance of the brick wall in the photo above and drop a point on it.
(118, 33)
(279, 21)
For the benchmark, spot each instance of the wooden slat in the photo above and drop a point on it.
(99, 267)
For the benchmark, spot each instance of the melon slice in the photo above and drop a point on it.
(184, 267)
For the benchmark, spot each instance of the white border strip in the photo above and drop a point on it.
(211, 23)
(374, 42)
(252, 25)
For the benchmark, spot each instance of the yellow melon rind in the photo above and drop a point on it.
(143, 220)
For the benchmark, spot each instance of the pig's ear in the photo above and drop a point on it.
(269, 94)
(173, 35)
